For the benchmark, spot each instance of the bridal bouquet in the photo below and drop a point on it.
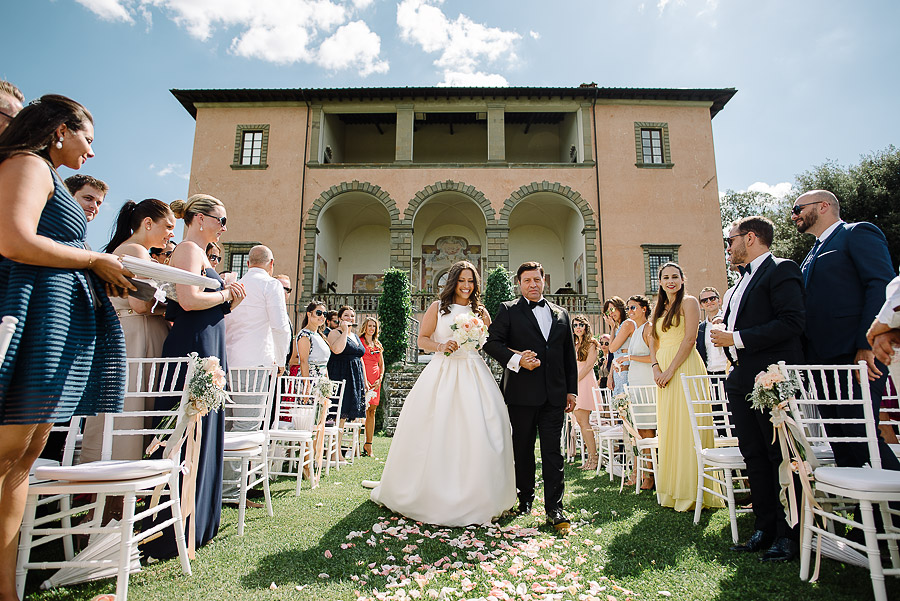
(771, 388)
(469, 332)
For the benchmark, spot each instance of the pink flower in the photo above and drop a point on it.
(218, 378)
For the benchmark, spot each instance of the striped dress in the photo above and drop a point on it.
(67, 356)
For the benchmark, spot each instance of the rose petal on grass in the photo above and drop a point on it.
(328, 554)
(273, 586)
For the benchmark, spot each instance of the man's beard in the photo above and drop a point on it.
(806, 222)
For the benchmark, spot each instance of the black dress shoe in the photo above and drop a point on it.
(783, 549)
(559, 521)
(758, 541)
(524, 507)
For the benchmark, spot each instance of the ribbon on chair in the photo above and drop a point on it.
(634, 437)
(789, 435)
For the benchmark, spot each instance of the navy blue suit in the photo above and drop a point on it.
(845, 288)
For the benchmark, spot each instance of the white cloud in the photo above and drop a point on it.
(176, 169)
(353, 44)
(464, 45)
(534, 35)
(779, 190)
(277, 31)
(109, 10)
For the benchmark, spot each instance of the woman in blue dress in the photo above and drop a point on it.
(346, 364)
(67, 355)
(198, 326)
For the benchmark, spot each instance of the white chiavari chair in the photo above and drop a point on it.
(610, 435)
(642, 409)
(333, 427)
(298, 414)
(718, 466)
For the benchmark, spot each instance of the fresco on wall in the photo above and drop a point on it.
(579, 274)
(367, 283)
(438, 257)
(321, 273)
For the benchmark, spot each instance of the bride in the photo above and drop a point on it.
(451, 460)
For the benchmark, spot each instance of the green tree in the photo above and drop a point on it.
(497, 289)
(734, 205)
(394, 312)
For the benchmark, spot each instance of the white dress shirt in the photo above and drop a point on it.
(257, 331)
(715, 355)
(890, 311)
(545, 320)
(734, 302)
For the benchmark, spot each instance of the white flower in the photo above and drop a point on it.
(211, 364)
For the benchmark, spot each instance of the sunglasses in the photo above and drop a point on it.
(7, 115)
(730, 239)
(213, 258)
(319, 312)
(709, 299)
(797, 209)
(221, 220)
(604, 344)
(578, 324)
(288, 290)
(632, 308)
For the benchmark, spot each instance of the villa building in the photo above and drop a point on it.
(601, 185)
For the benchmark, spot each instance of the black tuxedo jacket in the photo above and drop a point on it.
(770, 319)
(701, 340)
(845, 289)
(516, 327)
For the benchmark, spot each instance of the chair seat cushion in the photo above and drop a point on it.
(290, 434)
(615, 432)
(646, 443)
(243, 440)
(41, 462)
(105, 471)
(859, 478)
(730, 456)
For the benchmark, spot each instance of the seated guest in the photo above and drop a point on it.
(90, 193)
(712, 355)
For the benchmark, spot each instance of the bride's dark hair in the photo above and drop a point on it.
(448, 294)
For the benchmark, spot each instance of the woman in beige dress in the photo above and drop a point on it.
(139, 227)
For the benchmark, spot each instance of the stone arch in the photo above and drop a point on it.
(591, 226)
(450, 186)
(312, 216)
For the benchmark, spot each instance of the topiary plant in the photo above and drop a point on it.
(394, 311)
(497, 289)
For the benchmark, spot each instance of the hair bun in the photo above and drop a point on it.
(178, 207)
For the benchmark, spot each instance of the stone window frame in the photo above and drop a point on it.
(239, 146)
(232, 250)
(663, 128)
(670, 250)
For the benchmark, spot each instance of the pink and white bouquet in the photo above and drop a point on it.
(771, 388)
(207, 387)
(469, 332)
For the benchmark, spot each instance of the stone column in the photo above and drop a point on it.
(497, 247)
(586, 129)
(401, 247)
(403, 152)
(315, 134)
(496, 131)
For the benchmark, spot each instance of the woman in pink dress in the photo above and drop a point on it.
(373, 362)
(586, 350)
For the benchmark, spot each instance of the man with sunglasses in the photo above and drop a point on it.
(11, 100)
(845, 275)
(712, 355)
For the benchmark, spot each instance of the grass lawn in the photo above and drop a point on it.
(622, 546)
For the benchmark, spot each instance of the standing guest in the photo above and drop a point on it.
(139, 227)
(331, 322)
(198, 326)
(90, 193)
(346, 364)
(605, 362)
(586, 352)
(764, 323)
(67, 355)
(623, 328)
(676, 318)
(884, 336)
(214, 254)
(11, 100)
(257, 334)
(311, 351)
(285, 281)
(713, 356)
(161, 254)
(845, 276)
(373, 361)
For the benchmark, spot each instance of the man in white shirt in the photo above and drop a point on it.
(257, 333)
(712, 355)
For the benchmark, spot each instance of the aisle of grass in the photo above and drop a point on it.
(622, 545)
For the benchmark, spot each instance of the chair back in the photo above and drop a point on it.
(152, 379)
(890, 406)
(336, 399)
(831, 395)
(642, 406)
(603, 406)
(250, 392)
(707, 407)
(297, 406)
(7, 329)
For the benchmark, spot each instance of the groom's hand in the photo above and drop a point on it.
(570, 403)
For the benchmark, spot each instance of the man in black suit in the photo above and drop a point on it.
(763, 325)
(539, 385)
(845, 275)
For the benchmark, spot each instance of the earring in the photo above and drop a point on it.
(201, 226)
(59, 143)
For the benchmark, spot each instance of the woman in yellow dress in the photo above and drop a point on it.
(676, 319)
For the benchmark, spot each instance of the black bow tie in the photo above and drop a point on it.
(540, 303)
(745, 269)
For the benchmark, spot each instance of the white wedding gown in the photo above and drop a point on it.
(451, 459)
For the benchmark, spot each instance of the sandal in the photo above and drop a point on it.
(367, 452)
(590, 464)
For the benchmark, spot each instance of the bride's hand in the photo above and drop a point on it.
(449, 347)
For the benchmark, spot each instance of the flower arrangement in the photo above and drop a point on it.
(324, 388)
(469, 332)
(207, 388)
(771, 388)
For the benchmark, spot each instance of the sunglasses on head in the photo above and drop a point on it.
(221, 220)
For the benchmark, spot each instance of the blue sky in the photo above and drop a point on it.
(816, 79)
